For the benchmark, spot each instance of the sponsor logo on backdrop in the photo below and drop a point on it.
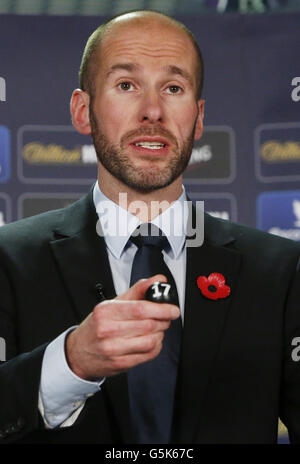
(277, 152)
(279, 213)
(55, 154)
(219, 205)
(274, 151)
(4, 154)
(242, 6)
(200, 155)
(5, 209)
(2, 89)
(30, 204)
(296, 91)
(37, 153)
(213, 157)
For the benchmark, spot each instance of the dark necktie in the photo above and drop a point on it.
(152, 384)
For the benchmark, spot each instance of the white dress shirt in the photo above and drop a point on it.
(62, 394)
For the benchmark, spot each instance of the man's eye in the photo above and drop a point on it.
(173, 89)
(125, 86)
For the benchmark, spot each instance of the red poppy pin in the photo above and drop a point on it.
(213, 286)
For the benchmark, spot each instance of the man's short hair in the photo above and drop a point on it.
(88, 67)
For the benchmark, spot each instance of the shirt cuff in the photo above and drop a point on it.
(61, 390)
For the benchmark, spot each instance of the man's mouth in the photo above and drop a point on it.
(156, 144)
(150, 145)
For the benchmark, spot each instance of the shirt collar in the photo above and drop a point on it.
(118, 224)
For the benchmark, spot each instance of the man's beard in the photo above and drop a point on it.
(118, 164)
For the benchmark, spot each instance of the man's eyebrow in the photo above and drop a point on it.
(172, 69)
(122, 66)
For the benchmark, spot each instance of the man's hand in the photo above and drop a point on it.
(120, 333)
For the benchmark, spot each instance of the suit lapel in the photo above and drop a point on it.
(204, 320)
(82, 261)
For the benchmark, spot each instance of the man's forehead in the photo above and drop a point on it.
(145, 31)
(126, 42)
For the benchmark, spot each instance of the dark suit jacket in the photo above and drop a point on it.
(236, 374)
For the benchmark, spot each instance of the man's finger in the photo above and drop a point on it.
(134, 310)
(116, 347)
(132, 328)
(138, 290)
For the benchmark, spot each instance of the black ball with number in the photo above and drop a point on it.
(161, 292)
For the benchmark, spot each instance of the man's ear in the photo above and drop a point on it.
(199, 122)
(79, 105)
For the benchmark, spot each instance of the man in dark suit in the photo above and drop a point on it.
(68, 357)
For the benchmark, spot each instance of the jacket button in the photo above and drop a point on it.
(20, 423)
(10, 428)
(13, 428)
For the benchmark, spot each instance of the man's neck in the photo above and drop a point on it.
(146, 206)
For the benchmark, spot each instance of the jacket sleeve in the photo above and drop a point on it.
(290, 385)
(19, 386)
(19, 373)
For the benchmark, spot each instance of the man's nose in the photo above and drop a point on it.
(151, 108)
